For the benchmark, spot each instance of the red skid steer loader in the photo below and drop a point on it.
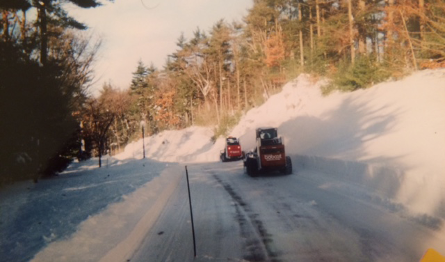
(269, 154)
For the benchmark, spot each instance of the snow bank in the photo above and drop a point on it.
(173, 146)
(114, 233)
(394, 132)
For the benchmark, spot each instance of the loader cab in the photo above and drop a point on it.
(232, 141)
(266, 133)
(267, 136)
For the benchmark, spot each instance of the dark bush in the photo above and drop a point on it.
(56, 165)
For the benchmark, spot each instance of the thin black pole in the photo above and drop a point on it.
(143, 141)
(191, 212)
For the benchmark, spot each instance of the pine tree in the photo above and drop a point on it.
(139, 81)
(220, 54)
(49, 12)
(42, 133)
(144, 86)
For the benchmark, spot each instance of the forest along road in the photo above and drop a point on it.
(306, 216)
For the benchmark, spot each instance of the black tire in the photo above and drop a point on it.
(247, 165)
(223, 157)
(288, 168)
(251, 167)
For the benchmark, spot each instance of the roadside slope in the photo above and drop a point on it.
(389, 138)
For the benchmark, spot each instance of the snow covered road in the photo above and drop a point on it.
(301, 217)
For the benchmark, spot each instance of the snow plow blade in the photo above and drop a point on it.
(432, 255)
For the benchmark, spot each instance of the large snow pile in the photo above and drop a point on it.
(390, 138)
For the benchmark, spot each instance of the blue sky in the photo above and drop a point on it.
(147, 30)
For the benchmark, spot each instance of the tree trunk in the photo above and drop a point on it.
(422, 23)
(311, 31)
(191, 109)
(362, 35)
(238, 87)
(220, 87)
(317, 10)
(43, 32)
(389, 33)
(229, 104)
(100, 153)
(245, 94)
(376, 47)
(351, 31)
(118, 138)
(413, 55)
(216, 107)
(266, 92)
(125, 128)
(5, 15)
(23, 26)
(300, 18)
(255, 93)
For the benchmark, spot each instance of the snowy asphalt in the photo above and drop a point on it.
(139, 211)
(305, 216)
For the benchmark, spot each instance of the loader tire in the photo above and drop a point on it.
(288, 168)
(251, 167)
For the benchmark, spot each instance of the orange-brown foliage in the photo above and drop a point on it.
(274, 50)
(165, 113)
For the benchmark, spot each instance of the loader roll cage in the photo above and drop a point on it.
(231, 141)
(268, 136)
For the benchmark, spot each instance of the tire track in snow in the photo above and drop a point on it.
(258, 240)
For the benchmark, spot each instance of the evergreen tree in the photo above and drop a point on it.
(51, 13)
(41, 132)
(220, 54)
(175, 69)
(139, 81)
(144, 86)
(36, 116)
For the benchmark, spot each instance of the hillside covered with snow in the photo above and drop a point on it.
(389, 138)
